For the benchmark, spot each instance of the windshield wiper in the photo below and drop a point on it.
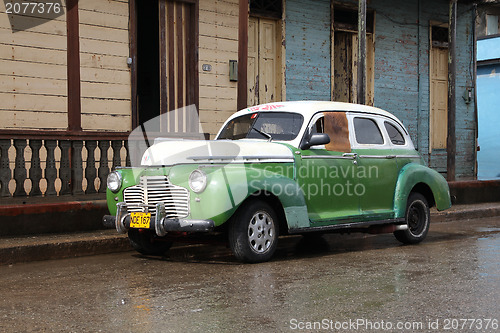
(267, 135)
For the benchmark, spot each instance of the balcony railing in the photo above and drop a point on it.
(59, 165)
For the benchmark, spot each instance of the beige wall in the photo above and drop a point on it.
(33, 82)
(33, 93)
(218, 44)
(105, 75)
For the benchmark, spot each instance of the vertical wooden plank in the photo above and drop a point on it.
(242, 89)
(190, 67)
(163, 61)
(180, 64)
(253, 59)
(267, 60)
(195, 19)
(452, 104)
(361, 93)
(133, 55)
(171, 66)
(73, 68)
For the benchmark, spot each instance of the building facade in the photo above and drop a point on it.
(74, 85)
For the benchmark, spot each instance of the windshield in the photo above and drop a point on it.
(281, 126)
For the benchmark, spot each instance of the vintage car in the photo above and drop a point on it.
(280, 168)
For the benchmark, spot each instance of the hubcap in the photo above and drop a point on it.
(261, 232)
(417, 218)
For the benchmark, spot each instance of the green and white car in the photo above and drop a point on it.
(276, 169)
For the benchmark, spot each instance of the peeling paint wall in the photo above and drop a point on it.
(308, 50)
(402, 74)
(401, 66)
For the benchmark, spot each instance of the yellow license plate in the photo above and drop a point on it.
(140, 220)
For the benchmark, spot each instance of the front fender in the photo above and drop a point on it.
(229, 186)
(413, 174)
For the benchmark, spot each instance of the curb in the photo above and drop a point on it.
(61, 246)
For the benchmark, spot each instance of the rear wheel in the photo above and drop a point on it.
(417, 218)
(253, 232)
(146, 242)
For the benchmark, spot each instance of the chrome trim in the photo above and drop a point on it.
(152, 190)
(331, 157)
(232, 158)
(378, 156)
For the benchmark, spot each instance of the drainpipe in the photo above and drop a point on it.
(361, 83)
(452, 102)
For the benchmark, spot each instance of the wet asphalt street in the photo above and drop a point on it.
(337, 283)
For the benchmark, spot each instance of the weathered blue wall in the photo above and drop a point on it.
(308, 60)
(402, 73)
(401, 66)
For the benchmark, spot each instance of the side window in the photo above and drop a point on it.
(367, 131)
(394, 134)
(318, 127)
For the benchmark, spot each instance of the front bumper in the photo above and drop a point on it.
(159, 223)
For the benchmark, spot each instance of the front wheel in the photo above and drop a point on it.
(253, 232)
(146, 242)
(417, 218)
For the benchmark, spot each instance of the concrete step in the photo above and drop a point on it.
(67, 245)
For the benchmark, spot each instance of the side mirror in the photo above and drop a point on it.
(315, 139)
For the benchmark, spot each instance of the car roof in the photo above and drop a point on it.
(309, 108)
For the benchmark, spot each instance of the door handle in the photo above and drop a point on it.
(350, 155)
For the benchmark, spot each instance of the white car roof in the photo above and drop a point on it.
(309, 108)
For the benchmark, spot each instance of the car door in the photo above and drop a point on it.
(377, 169)
(326, 174)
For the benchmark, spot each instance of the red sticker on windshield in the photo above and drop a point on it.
(254, 116)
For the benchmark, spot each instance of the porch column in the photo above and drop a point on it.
(361, 80)
(452, 73)
(242, 55)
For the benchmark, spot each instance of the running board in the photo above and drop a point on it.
(396, 224)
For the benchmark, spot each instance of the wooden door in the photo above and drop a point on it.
(438, 97)
(263, 67)
(345, 66)
(178, 65)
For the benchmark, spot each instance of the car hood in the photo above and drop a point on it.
(171, 152)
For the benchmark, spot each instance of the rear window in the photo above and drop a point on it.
(367, 131)
(394, 134)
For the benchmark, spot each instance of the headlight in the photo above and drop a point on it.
(114, 181)
(198, 181)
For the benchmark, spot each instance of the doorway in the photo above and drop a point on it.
(167, 64)
(345, 55)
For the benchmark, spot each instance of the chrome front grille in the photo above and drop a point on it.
(157, 189)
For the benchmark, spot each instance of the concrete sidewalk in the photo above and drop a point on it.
(67, 245)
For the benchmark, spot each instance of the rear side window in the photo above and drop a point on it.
(394, 134)
(367, 131)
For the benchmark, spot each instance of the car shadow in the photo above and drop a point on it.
(296, 247)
